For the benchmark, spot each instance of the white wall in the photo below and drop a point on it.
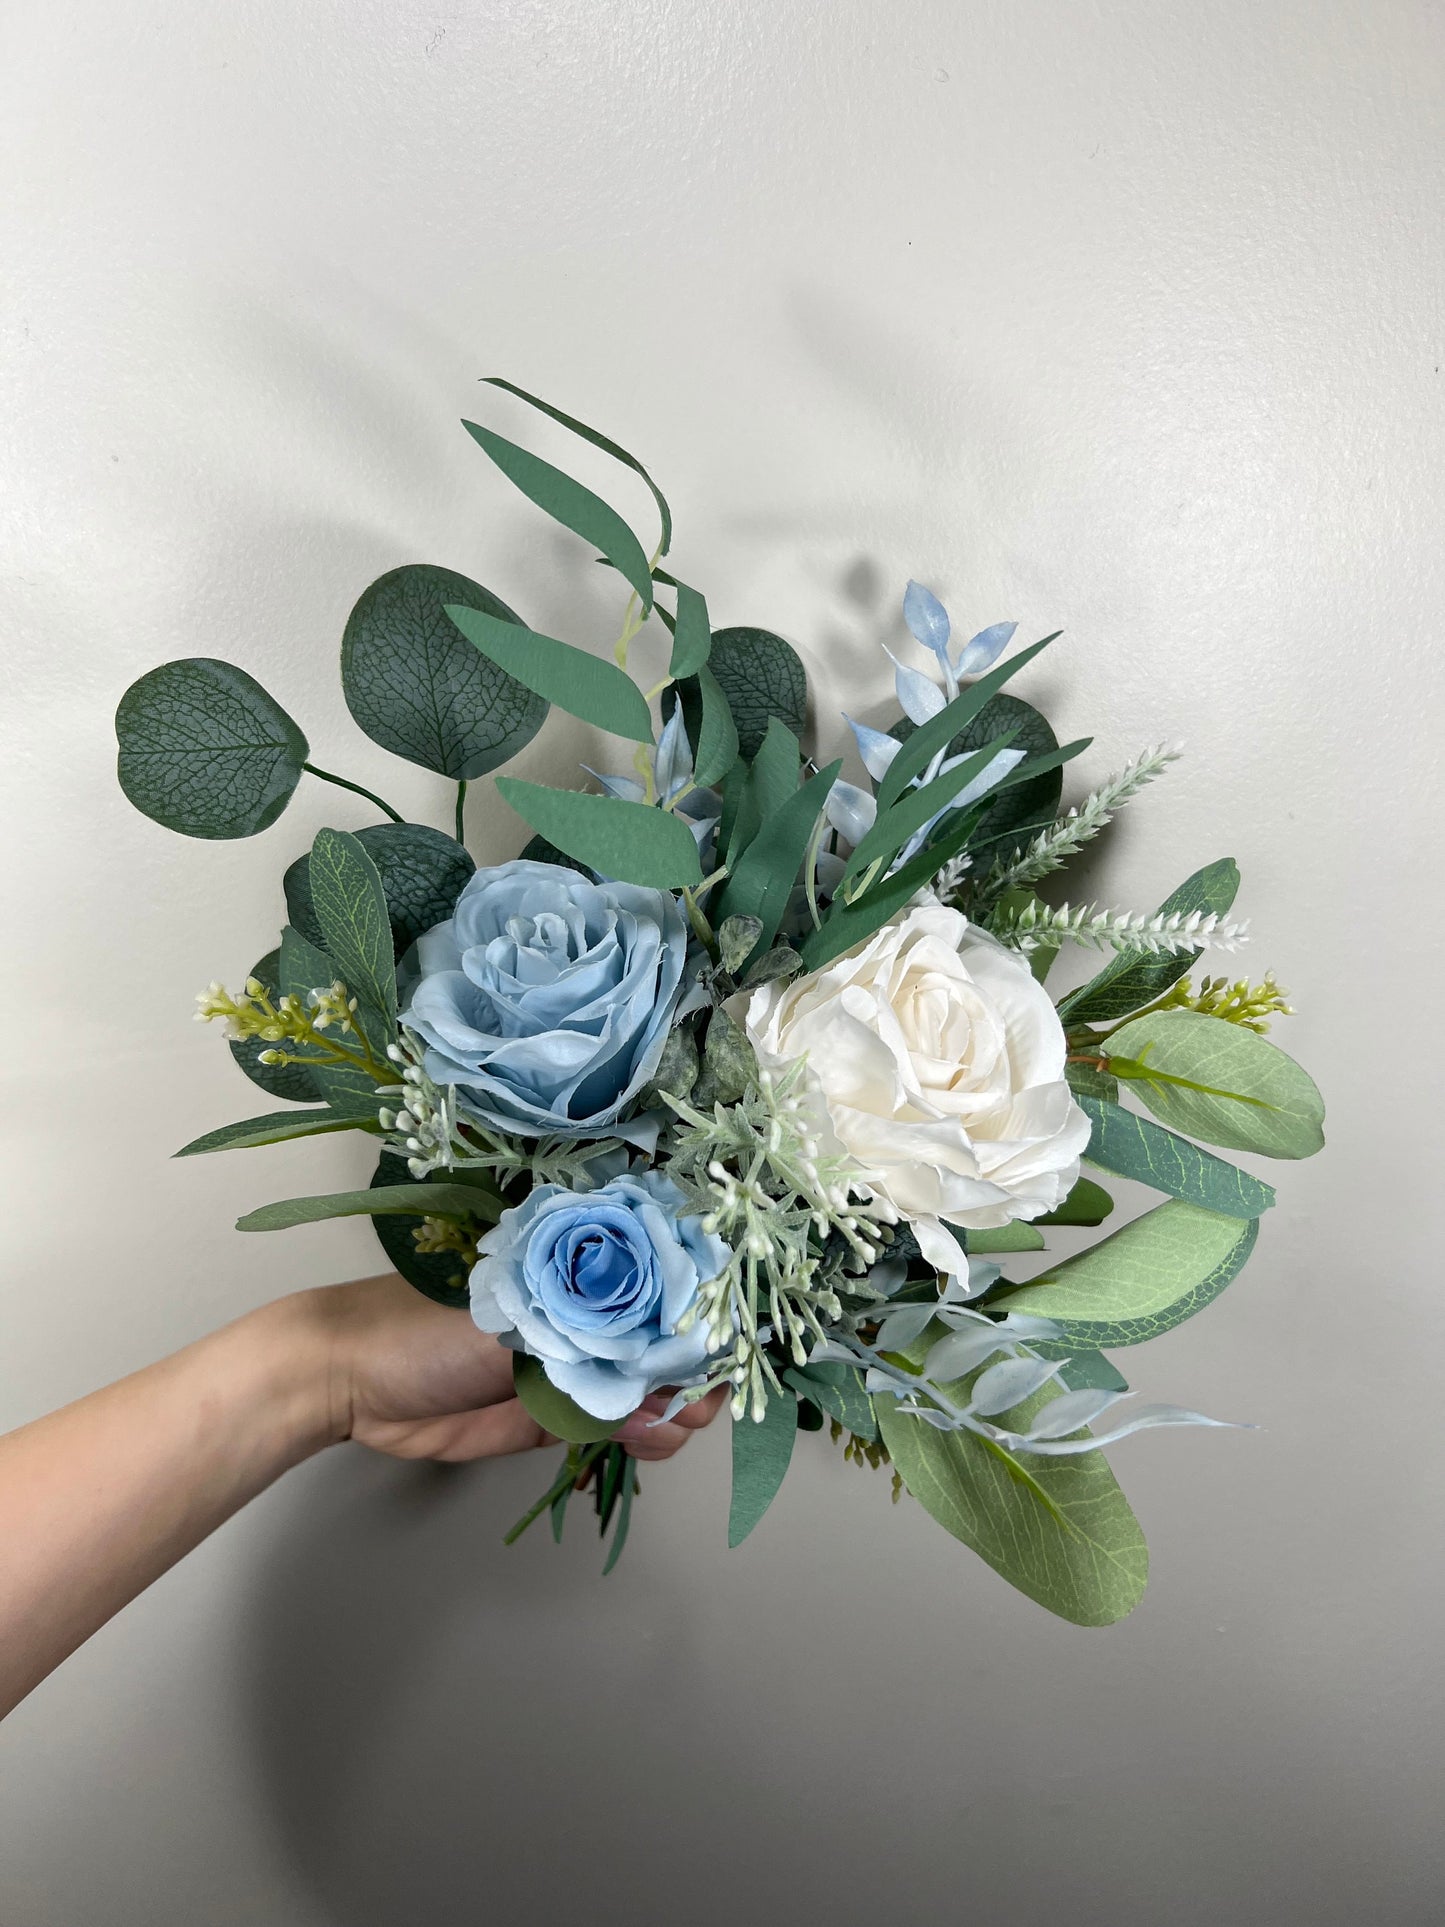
(1123, 318)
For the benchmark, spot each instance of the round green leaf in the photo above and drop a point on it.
(420, 689)
(1285, 1118)
(553, 1410)
(205, 750)
(760, 676)
(291, 1081)
(438, 1275)
(422, 874)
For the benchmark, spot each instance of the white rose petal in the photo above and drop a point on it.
(938, 1063)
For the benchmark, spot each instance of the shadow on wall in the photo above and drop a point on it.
(446, 1730)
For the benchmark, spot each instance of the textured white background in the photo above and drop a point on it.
(1124, 318)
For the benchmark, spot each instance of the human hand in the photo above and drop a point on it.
(417, 1380)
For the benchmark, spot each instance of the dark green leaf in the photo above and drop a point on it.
(598, 440)
(204, 749)
(926, 741)
(848, 924)
(291, 1081)
(717, 735)
(1087, 1203)
(553, 1410)
(893, 827)
(420, 689)
(1142, 1280)
(274, 1128)
(728, 1065)
(438, 1275)
(677, 1068)
(1087, 1080)
(538, 850)
(836, 1389)
(772, 777)
(351, 1093)
(1088, 1372)
(624, 1514)
(692, 637)
(629, 841)
(764, 875)
(422, 874)
(582, 684)
(761, 1452)
(1017, 1236)
(737, 938)
(1089, 1566)
(431, 1200)
(1135, 977)
(350, 907)
(1135, 1148)
(569, 503)
(761, 677)
(1282, 1112)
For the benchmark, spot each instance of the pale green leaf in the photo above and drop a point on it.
(1285, 1116)
(428, 1200)
(762, 1450)
(274, 1128)
(350, 907)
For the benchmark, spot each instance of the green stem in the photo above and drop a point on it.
(461, 809)
(572, 1470)
(342, 783)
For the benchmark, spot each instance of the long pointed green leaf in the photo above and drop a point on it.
(274, 1128)
(692, 636)
(411, 1200)
(582, 684)
(763, 878)
(598, 440)
(771, 779)
(624, 1516)
(631, 842)
(893, 827)
(717, 736)
(569, 503)
(848, 924)
(924, 744)
(1134, 1147)
(761, 1452)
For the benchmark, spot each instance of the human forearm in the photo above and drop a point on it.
(99, 1499)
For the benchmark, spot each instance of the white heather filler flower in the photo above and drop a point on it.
(940, 1063)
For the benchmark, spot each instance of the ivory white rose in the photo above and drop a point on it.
(940, 1064)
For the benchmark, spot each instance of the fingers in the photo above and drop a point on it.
(648, 1441)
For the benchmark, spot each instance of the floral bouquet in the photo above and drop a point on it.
(743, 1075)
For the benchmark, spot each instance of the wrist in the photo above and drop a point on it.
(296, 1346)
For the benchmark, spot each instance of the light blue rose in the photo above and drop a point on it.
(595, 1285)
(546, 998)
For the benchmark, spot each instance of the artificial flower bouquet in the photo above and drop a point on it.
(742, 1074)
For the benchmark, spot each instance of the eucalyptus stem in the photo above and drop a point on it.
(576, 1463)
(342, 783)
(461, 810)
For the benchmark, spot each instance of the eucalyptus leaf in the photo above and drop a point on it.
(717, 734)
(438, 1275)
(291, 1081)
(430, 1200)
(422, 872)
(761, 678)
(692, 636)
(1087, 1203)
(762, 1449)
(1142, 1280)
(631, 842)
(350, 907)
(1017, 1236)
(574, 506)
(205, 750)
(417, 687)
(1285, 1115)
(1133, 1147)
(1087, 1080)
(837, 1390)
(304, 968)
(573, 679)
(1065, 1537)
(553, 1410)
(1136, 977)
(274, 1128)
(598, 440)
